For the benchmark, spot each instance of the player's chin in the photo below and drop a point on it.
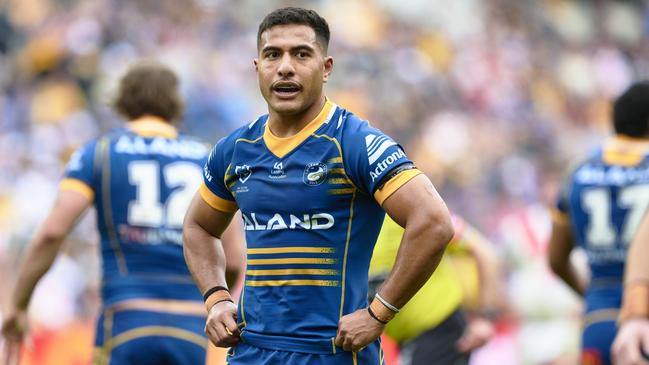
(287, 106)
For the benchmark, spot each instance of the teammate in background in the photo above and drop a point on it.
(312, 182)
(600, 209)
(432, 328)
(632, 339)
(140, 178)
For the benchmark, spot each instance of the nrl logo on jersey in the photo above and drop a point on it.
(277, 222)
(243, 172)
(315, 173)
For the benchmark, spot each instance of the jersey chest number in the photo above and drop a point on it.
(147, 209)
(600, 231)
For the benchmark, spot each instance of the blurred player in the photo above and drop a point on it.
(632, 339)
(140, 178)
(312, 182)
(433, 328)
(599, 210)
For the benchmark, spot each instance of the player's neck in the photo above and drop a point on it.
(287, 125)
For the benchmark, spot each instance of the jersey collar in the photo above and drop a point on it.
(280, 147)
(151, 126)
(624, 150)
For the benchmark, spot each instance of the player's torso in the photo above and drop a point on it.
(145, 186)
(302, 219)
(607, 201)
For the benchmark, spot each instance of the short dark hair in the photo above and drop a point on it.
(291, 15)
(631, 111)
(149, 88)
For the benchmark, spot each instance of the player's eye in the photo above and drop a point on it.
(272, 55)
(302, 54)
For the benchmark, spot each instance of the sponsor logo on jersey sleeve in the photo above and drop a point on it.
(376, 145)
(386, 163)
(315, 173)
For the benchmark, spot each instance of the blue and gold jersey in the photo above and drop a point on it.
(311, 206)
(141, 179)
(604, 201)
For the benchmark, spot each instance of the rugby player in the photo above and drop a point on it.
(600, 209)
(313, 182)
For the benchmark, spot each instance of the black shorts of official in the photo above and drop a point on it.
(438, 345)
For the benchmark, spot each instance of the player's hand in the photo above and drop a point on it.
(632, 338)
(357, 330)
(478, 332)
(14, 330)
(221, 327)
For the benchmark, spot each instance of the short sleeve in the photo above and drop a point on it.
(80, 172)
(375, 162)
(214, 190)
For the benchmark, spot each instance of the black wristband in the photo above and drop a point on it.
(224, 300)
(369, 310)
(212, 291)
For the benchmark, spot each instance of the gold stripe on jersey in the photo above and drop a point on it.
(280, 146)
(150, 126)
(216, 202)
(335, 160)
(292, 260)
(338, 181)
(103, 149)
(341, 191)
(292, 272)
(273, 250)
(164, 331)
(337, 171)
(601, 315)
(292, 283)
(349, 234)
(78, 186)
(394, 184)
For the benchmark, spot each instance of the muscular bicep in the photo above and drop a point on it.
(416, 198)
(201, 214)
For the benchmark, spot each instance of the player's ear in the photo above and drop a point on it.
(255, 61)
(328, 67)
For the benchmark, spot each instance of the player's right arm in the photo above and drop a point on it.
(207, 217)
(633, 334)
(206, 260)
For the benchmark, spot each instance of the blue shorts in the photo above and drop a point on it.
(245, 354)
(597, 339)
(144, 337)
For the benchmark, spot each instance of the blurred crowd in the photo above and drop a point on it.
(492, 99)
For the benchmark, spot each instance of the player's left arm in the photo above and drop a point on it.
(41, 252)
(418, 208)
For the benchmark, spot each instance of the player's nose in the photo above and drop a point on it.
(286, 68)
